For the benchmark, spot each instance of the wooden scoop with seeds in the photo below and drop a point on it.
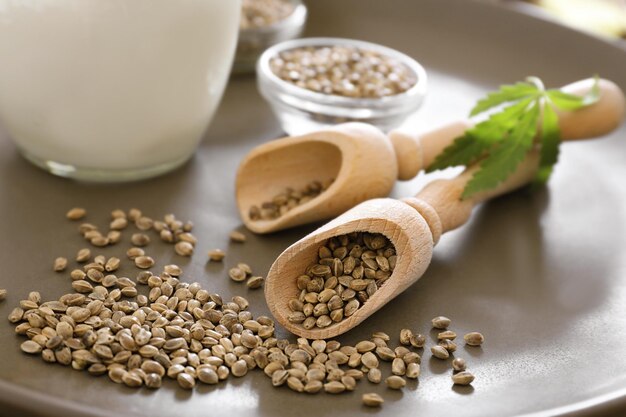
(413, 225)
(365, 163)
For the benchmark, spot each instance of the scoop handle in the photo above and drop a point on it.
(440, 201)
(416, 152)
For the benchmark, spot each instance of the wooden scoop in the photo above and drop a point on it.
(414, 226)
(365, 162)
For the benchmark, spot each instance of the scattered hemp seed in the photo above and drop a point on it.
(261, 13)
(60, 264)
(447, 335)
(83, 255)
(343, 70)
(413, 370)
(439, 352)
(289, 199)
(459, 364)
(395, 382)
(448, 345)
(255, 282)
(216, 255)
(405, 336)
(348, 271)
(474, 339)
(441, 322)
(144, 262)
(462, 378)
(237, 274)
(3, 294)
(184, 248)
(372, 400)
(237, 237)
(417, 340)
(140, 239)
(76, 213)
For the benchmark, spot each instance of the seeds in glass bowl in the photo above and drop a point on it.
(287, 200)
(348, 271)
(262, 13)
(344, 70)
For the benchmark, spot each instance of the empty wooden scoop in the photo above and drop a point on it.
(365, 163)
(414, 226)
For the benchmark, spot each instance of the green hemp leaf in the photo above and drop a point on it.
(526, 117)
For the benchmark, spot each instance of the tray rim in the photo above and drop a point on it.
(20, 398)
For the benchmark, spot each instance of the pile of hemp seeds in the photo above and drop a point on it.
(186, 333)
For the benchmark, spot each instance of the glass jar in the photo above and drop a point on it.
(113, 90)
(253, 41)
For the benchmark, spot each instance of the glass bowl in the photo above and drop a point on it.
(301, 111)
(253, 41)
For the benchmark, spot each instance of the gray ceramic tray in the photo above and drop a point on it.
(543, 276)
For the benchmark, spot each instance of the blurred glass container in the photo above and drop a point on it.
(301, 110)
(254, 40)
(113, 90)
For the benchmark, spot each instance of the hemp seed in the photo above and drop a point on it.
(3, 294)
(184, 248)
(76, 213)
(474, 339)
(462, 378)
(441, 322)
(216, 255)
(372, 400)
(459, 364)
(395, 382)
(60, 264)
(255, 282)
(439, 352)
(144, 262)
(237, 237)
(83, 255)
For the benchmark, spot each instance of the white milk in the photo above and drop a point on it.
(122, 86)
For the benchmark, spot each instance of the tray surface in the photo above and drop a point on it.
(543, 276)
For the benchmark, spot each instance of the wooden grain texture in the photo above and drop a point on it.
(365, 162)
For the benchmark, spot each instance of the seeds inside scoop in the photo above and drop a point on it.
(348, 271)
(287, 200)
